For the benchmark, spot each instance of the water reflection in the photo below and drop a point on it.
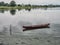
(1, 11)
(19, 9)
(44, 8)
(35, 16)
(28, 9)
(12, 12)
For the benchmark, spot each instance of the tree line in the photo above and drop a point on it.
(13, 4)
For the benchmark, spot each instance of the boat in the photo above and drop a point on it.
(36, 27)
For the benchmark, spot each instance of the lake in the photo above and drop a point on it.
(15, 19)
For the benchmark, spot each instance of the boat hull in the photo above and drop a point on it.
(36, 27)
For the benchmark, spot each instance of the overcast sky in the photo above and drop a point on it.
(35, 1)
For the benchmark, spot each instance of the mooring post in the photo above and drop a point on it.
(10, 30)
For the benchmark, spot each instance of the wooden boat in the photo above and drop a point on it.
(36, 27)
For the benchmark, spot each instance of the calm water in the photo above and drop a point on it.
(18, 18)
(15, 19)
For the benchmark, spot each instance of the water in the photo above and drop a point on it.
(18, 18)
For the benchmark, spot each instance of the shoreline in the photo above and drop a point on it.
(18, 7)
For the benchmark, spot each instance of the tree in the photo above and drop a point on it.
(12, 3)
(2, 3)
(19, 5)
(6, 4)
(28, 5)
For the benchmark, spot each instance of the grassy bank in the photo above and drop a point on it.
(22, 7)
(16, 7)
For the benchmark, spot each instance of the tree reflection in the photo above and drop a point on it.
(44, 8)
(1, 11)
(19, 9)
(13, 12)
(28, 9)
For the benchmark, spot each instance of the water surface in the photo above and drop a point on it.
(18, 18)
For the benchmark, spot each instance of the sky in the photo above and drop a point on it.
(35, 2)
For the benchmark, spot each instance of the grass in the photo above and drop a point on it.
(21, 7)
(16, 7)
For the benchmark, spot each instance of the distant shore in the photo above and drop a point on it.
(13, 5)
(25, 7)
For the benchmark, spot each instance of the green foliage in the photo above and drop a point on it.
(12, 3)
(6, 4)
(19, 5)
(2, 3)
(28, 5)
